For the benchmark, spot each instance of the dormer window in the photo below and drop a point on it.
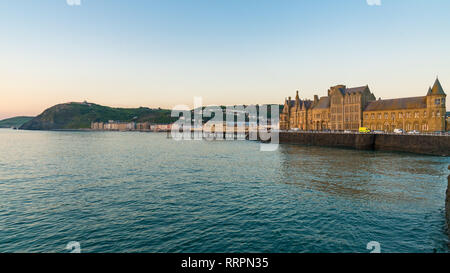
(437, 101)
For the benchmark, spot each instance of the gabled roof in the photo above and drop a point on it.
(397, 104)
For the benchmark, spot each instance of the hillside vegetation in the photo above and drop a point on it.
(15, 122)
(80, 115)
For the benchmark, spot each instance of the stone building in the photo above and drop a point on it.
(340, 110)
(350, 108)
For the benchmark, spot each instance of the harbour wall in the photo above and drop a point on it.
(447, 201)
(420, 144)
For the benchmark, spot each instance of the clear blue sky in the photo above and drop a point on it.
(164, 52)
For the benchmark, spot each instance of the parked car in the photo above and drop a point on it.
(378, 132)
(413, 132)
(347, 132)
(399, 131)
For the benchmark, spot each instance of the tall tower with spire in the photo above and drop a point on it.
(436, 107)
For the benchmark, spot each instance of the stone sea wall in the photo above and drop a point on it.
(447, 201)
(420, 144)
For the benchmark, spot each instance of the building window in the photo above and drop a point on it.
(366, 116)
(373, 116)
(386, 116)
(438, 114)
(425, 114)
(393, 116)
(400, 115)
(379, 116)
(416, 114)
(437, 101)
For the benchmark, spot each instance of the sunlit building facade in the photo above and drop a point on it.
(350, 108)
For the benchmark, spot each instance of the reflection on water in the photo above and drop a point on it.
(142, 192)
(367, 175)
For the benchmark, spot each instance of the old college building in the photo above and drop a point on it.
(350, 108)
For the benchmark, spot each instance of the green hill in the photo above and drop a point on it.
(14, 122)
(76, 115)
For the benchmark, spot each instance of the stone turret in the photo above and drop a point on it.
(436, 106)
(297, 101)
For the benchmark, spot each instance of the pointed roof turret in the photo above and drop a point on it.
(437, 88)
(429, 91)
(297, 101)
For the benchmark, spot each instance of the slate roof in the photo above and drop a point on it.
(355, 90)
(307, 104)
(323, 103)
(437, 88)
(397, 104)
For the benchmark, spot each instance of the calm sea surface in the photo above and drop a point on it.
(142, 192)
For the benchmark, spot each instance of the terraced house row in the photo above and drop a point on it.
(350, 108)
